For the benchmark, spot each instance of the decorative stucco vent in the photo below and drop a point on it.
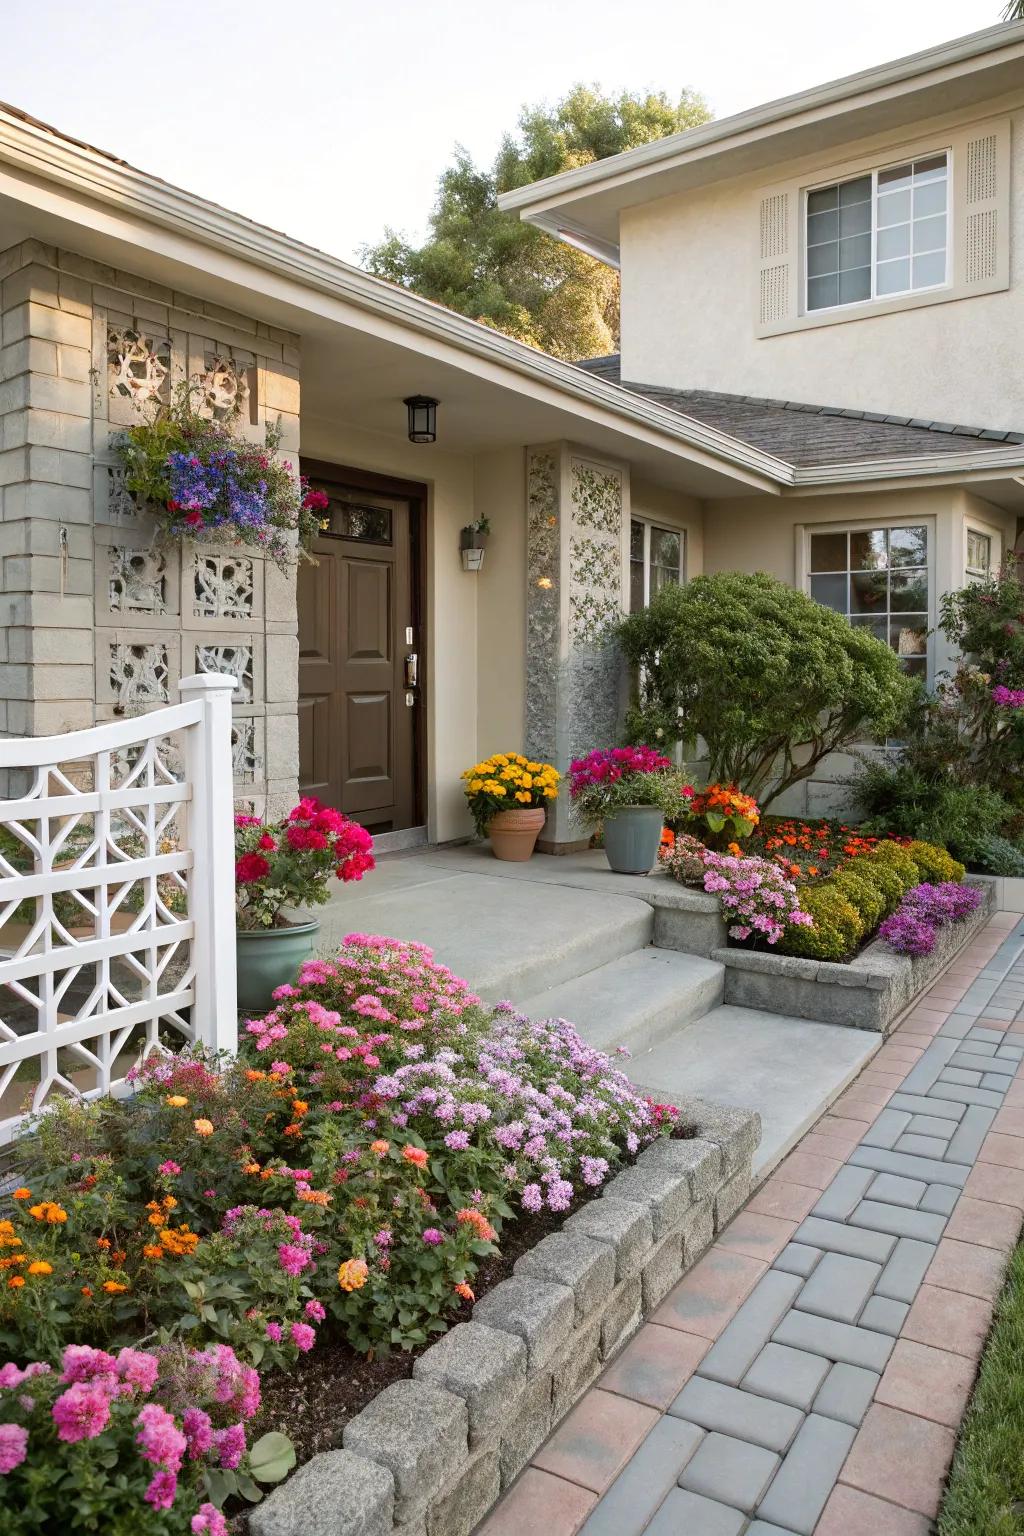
(224, 587)
(981, 168)
(138, 580)
(138, 366)
(138, 675)
(982, 245)
(243, 750)
(234, 660)
(225, 387)
(774, 225)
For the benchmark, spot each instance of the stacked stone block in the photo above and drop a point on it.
(430, 1455)
(100, 619)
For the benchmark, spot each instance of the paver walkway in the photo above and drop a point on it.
(809, 1373)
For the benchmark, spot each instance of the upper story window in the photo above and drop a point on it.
(878, 579)
(656, 560)
(878, 235)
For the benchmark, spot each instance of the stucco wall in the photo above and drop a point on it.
(500, 493)
(689, 276)
(671, 509)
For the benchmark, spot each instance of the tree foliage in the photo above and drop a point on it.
(770, 680)
(508, 274)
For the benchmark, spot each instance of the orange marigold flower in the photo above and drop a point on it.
(168, 1202)
(86, 1290)
(203, 1127)
(114, 1287)
(15, 1282)
(153, 1251)
(40, 1267)
(314, 1196)
(299, 1106)
(381, 1148)
(353, 1274)
(155, 1219)
(21, 1193)
(254, 1076)
(250, 1167)
(48, 1211)
(465, 1291)
(267, 1173)
(12, 1260)
(295, 1129)
(119, 1257)
(416, 1156)
(103, 1242)
(176, 1100)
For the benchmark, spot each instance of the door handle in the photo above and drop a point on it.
(412, 663)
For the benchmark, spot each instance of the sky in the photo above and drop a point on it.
(330, 120)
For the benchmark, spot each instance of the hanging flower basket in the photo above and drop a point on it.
(203, 481)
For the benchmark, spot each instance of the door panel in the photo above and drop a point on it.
(356, 731)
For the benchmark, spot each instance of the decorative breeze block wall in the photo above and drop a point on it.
(100, 620)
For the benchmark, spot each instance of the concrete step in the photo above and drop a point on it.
(789, 1070)
(508, 938)
(638, 1000)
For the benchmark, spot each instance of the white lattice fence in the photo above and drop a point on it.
(116, 898)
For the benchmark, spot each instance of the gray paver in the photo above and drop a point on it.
(762, 1528)
(797, 1259)
(996, 1081)
(924, 1146)
(914, 1167)
(739, 1344)
(835, 1341)
(940, 1198)
(788, 1375)
(801, 1488)
(887, 1129)
(746, 1416)
(919, 1104)
(901, 1278)
(839, 1287)
(842, 1195)
(1010, 1053)
(836, 1237)
(989, 1036)
(930, 1125)
(896, 1190)
(898, 1221)
(966, 1095)
(846, 1393)
(684, 1511)
(884, 1316)
(962, 1075)
(730, 1471)
(927, 1068)
(653, 1468)
(958, 1025)
(965, 1143)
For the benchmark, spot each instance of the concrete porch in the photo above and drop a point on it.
(566, 937)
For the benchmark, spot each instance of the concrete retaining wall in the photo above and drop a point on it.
(869, 993)
(430, 1455)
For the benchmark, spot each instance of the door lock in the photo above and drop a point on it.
(412, 663)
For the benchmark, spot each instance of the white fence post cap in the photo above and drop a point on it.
(207, 682)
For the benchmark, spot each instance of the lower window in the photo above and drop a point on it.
(878, 579)
(656, 560)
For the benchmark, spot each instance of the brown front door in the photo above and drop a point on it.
(358, 690)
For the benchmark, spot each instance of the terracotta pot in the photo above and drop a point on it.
(514, 834)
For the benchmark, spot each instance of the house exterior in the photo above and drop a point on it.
(822, 305)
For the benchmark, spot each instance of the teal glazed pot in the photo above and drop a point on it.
(267, 958)
(632, 837)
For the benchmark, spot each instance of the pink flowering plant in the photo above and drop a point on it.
(290, 863)
(608, 779)
(145, 1439)
(757, 900)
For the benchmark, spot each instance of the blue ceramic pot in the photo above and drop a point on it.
(632, 836)
(267, 958)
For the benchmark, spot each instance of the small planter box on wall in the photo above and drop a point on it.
(869, 993)
(430, 1456)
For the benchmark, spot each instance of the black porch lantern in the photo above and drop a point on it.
(422, 411)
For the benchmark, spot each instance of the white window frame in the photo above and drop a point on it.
(861, 525)
(874, 172)
(647, 524)
(995, 548)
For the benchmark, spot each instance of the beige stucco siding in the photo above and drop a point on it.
(690, 272)
(500, 587)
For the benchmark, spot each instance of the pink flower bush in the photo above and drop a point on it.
(756, 897)
(1008, 698)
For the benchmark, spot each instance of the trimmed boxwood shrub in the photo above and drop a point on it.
(934, 865)
(837, 930)
(895, 857)
(886, 880)
(862, 891)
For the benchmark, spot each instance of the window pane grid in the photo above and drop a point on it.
(877, 578)
(656, 559)
(877, 235)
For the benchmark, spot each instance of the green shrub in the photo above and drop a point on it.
(895, 857)
(862, 891)
(771, 680)
(884, 877)
(999, 856)
(934, 865)
(898, 798)
(837, 930)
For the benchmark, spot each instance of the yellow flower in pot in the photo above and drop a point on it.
(508, 795)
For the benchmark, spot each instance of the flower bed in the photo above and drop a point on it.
(350, 1172)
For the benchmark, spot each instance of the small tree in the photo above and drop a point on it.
(771, 681)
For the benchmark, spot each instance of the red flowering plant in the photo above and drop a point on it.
(610, 778)
(811, 850)
(289, 863)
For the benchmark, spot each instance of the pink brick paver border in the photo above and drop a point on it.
(891, 1481)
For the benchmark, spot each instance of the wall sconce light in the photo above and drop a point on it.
(422, 418)
(473, 543)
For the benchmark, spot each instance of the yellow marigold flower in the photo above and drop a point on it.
(499, 789)
(40, 1267)
(114, 1287)
(22, 1193)
(475, 785)
(524, 795)
(203, 1127)
(176, 1100)
(353, 1274)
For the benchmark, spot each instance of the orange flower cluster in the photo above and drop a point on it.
(353, 1274)
(415, 1155)
(470, 1216)
(727, 800)
(808, 849)
(48, 1211)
